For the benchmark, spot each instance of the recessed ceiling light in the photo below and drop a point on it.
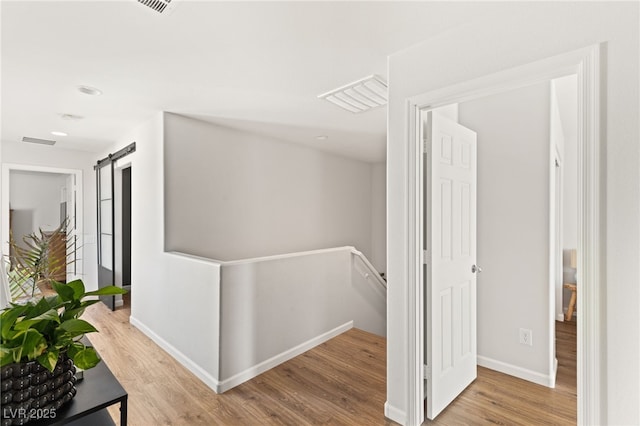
(88, 90)
(71, 117)
(322, 137)
(56, 133)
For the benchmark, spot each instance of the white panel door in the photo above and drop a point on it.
(450, 271)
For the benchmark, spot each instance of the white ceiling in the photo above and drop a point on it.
(257, 66)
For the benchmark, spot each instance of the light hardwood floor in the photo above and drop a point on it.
(341, 382)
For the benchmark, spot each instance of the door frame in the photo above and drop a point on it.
(586, 63)
(7, 168)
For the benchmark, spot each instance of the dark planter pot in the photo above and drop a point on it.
(31, 392)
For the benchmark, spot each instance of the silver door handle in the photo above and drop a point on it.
(476, 268)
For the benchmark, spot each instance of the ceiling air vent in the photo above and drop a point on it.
(359, 96)
(36, 140)
(159, 6)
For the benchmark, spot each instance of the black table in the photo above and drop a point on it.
(98, 390)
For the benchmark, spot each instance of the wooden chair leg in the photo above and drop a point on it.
(572, 305)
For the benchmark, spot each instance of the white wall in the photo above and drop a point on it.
(166, 284)
(277, 307)
(227, 322)
(513, 228)
(46, 156)
(233, 195)
(39, 193)
(523, 33)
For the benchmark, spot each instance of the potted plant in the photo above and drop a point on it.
(40, 347)
(45, 329)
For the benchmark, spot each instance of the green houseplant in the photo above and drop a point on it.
(46, 329)
(38, 260)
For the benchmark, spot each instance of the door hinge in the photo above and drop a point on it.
(426, 257)
(426, 371)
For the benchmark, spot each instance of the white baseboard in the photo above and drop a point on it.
(560, 317)
(253, 371)
(514, 370)
(203, 375)
(395, 414)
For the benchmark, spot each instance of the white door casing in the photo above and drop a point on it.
(586, 63)
(449, 218)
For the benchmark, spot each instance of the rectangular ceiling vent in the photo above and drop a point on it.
(359, 96)
(160, 6)
(36, 140)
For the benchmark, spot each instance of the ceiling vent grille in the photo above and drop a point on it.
(359, 96)
(36, 140)
(159, 6)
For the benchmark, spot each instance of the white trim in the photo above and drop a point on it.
(278, 359)
(586, 63)
(198, 371)
(249, 373)
(548, 380)
(285, 256)
(394, 413)
(591, 242)
(372, 270)
(263, 258)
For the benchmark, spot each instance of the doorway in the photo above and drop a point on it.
(519, 244)
(38, 197)
(122, 236)
(126, 228)
(113, 188)
(586, 64)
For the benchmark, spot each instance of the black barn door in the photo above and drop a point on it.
(105, 189)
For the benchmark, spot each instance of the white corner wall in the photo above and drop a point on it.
(524, 33)
(46, 156)
(235, 195)
(229, 321)
(166, 286)
(513, 230)
(378, 255)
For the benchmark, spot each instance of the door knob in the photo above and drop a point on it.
(476, 268)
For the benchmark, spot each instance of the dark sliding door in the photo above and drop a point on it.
(105, 189)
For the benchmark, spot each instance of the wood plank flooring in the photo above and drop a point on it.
(341, 382)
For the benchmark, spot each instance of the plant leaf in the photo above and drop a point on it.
(78, 289)
(63, 290)
(9, 318)
(50, 315)
(49, 359)
(107, 291)
(74, 348)
(77, 327)
(86, 358)
(8, 355)
(32, 344)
